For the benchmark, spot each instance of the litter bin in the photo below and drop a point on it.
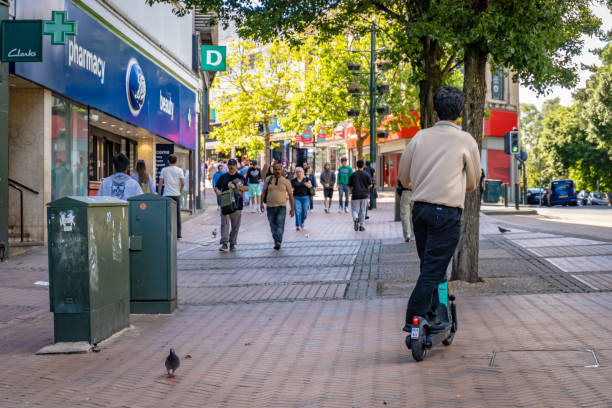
(493, 191)
(152, 254)
(89, 276)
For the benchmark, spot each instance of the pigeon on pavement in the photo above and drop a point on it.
(214, 233)
(172, 363)
(502, 230)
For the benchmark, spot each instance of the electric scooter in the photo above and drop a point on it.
(425, 334)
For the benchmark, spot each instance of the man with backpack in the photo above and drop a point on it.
(230, 187)
(277, 190)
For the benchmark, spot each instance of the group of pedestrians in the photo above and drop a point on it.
(123, 186)
(271, 188)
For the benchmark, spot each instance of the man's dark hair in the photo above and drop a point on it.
(121, 163)
(343, 160)
(448, 103)
(172, 159)
(359, 164)
(368, 163)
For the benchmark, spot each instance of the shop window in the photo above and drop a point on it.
(69, 149)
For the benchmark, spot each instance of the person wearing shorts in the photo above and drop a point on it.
(328, 179)
(254, 177)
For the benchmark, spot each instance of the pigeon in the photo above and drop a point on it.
(172, 363)
(502, 230)
(214, 233)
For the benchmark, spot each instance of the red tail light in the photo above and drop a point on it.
(415, 321)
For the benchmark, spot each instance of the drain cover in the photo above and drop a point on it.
(544, 358)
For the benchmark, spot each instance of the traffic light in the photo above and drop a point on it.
(511, 142)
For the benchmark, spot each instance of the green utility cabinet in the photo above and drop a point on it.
(89, 275)
(493, 191)
(152, 254)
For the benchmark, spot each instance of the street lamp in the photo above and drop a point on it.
(374, 90)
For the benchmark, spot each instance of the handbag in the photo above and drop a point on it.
(231, 201)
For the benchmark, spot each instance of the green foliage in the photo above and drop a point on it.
(576, 141)
(254, 90)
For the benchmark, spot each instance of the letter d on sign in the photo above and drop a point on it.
(213, 58)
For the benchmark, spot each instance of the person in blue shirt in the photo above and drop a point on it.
(216, 178)
(120, 185)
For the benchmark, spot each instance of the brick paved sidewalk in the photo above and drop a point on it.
(316, 324)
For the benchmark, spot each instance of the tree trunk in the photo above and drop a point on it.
(430, 65)
(359, 144)
(267, 142)
(465, 261)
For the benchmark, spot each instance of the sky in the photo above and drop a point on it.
(565, 95)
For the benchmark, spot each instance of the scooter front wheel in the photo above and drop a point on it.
(449, 340)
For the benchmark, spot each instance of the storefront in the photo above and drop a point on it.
(90, 98)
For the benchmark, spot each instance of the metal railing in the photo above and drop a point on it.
(20, 187)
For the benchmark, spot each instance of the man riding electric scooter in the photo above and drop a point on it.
(440, 163)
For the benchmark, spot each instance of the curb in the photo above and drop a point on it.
(511, 212)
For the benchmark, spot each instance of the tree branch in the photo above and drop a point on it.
(387, 10)
(447, 67)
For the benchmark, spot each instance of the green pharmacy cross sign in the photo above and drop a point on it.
(58, 27)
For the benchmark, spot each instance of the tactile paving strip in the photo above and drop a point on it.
(580, 250)
(552, 242)
(596, 281)
(583, 263)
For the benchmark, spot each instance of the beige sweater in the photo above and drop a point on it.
(441, 163)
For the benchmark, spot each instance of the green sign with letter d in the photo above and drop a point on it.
(213, 58)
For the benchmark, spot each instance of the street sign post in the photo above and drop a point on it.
(22, 41)
(213, 58)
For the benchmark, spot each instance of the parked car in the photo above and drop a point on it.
(583, 197)
(597, 198)
(533, 195)
(560, 192)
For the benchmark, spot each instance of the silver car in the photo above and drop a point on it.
(596, 198)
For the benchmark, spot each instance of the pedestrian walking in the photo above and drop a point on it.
(313, 180)
(144, 179)
(482, 184)
(301, 186)
(216, 178)
(440, 163)
(254, 177)
(211, 170)
(291, 172)
(373, 193)
(244, 170)
(405, 211)
(328, 180)
(360, 184)
(344, 172)
(120, 185)
(172, 180)
(276, 192)
(232, 180)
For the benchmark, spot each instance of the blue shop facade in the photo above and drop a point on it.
(98, 94)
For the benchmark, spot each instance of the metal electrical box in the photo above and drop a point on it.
(89, 275)
(152, 254)
(493, 192)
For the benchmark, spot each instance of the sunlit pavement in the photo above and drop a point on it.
(314, 324)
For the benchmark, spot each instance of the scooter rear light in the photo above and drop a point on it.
(415, 321)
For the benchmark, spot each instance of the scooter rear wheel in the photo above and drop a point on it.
(417, 347)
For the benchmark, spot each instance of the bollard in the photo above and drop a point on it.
(505, 195)
(516, 195)
(397, 207)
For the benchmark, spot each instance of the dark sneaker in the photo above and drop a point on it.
(223, 248)
(277, 245)
(356, 225)
(232, 247)
(361, 229)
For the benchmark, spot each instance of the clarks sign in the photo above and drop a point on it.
(21, 41)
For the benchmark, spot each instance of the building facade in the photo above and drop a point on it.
(126, 82)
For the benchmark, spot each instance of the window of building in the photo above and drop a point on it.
(69, 149)
(497, 85)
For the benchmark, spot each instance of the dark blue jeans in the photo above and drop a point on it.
(276, 218)
(437, 229)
